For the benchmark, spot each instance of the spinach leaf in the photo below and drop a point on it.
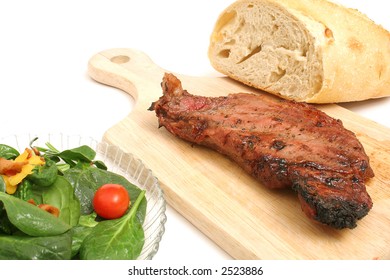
(120, 239)
(83, 153)
(61, 195)
(86, 181)
(5, 225)
(24, 247)
(8, 152)
(26, 191)
(79, 233)
(100, 164)
(44, 175)
(30, 219)
(2, 184)
(83, 186)
(88, 220)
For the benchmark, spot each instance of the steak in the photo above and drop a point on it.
(279, 142)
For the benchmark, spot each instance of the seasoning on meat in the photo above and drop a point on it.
(281, 143)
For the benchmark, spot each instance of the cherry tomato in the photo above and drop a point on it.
(111, 201)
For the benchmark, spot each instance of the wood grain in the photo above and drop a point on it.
(244, 218)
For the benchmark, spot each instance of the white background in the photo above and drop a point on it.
(45, 47)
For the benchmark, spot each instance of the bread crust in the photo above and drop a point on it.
(345, 56)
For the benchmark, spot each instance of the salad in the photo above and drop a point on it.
(47, 208)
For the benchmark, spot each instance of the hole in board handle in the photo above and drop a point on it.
(120, 59)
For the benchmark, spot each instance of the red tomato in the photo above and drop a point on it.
(111, 201)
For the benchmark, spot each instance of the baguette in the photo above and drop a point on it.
(311, 51)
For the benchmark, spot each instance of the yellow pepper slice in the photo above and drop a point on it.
(32, 159)
(10, 189)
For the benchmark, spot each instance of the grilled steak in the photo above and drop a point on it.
(281, 143)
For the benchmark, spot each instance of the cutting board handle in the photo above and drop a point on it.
(129, 70)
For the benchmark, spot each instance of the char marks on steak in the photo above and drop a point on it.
(281, 143)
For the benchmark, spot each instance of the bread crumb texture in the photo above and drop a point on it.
(313, 51)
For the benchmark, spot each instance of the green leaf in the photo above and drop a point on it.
(44, 175)
(30, 219)
(2, 184)
(8, 152)
(83, 153)
(61, 195)
(24, 247)
(5, 225)
(100, 164)
(79, 233)
(26, 191)
(118, 239)
(88, 220)
(82, 230)
(87, 180)
(84, 187)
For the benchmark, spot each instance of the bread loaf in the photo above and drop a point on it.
(305, 50)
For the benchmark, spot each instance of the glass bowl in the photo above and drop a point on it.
(118, 162)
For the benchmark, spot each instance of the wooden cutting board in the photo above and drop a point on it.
(244, 218)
